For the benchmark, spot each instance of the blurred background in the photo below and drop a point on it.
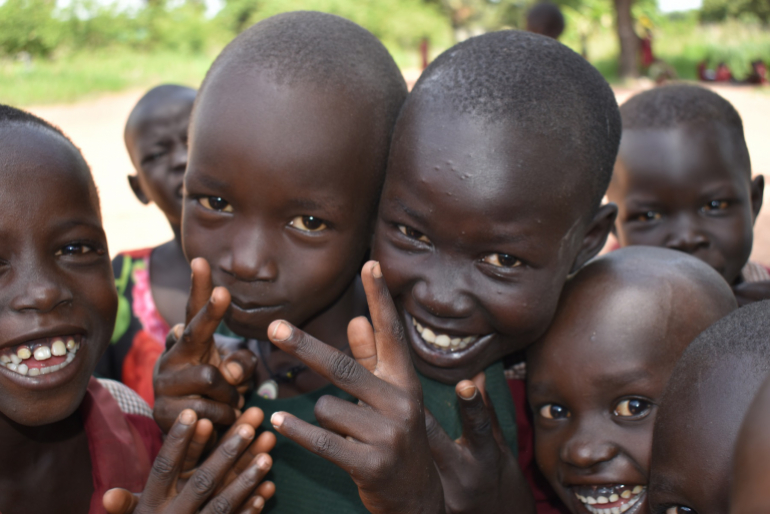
(83, 64)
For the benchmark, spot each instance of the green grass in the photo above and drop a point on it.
(84, 75)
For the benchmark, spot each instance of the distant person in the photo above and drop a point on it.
(683, 181)
(645, 48)
(547, 19)
(758, 74)
(152, 283)
(723, 73)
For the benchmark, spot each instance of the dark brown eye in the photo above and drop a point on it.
(648, 216)
(502, 260)
(632, 407)
(554, 411)
(215, 203)
(413, 234)
(716, 205)
(308, 223)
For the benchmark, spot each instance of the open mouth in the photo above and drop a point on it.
(41, 356)
(443, 342)
(609, 499)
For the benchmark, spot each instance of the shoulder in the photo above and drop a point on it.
(128, 401)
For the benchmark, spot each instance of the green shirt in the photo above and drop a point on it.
(306, 483)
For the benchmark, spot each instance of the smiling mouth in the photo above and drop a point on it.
(42, 356)
(443, 342)
(609, 499)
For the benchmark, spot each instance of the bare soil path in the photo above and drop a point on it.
(97, 127)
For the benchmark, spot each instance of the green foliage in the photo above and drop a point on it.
(720, 10)
(29, 26)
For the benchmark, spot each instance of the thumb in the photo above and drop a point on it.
(475, 417)
(362, 343)
(120, 501)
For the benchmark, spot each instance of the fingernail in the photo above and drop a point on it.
(277, 419)
(259, 502)
(178, 330)
(467, 392)
(245, 432)
(376, 270)
(235, 370)
(263, 462)
(281, 332)
(187, 417)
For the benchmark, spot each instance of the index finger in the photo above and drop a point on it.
(394, 363)
(201, 287)
(197, 341)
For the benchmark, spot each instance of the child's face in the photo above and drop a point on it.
(594, 381)
(280, 196)
(476, 235)
(695, 437)
(157, 144)
(57, 291)
(686, 189)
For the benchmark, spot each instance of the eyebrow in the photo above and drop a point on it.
(70, 224)
(621, 379)
(208, 181)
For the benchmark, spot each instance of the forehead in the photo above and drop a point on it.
(162, 114)
(679, 156)
(481, 169)
(37, 166)
(249, 125)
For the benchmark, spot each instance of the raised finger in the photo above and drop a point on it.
(120, 501)
(241, 489)
(475, 419)
(239, 367)
(201, 380)
(170, 459)
(326, 444)
(197, 341)
(344, 418)
(394, 363)
(209, 475)
(442, 448)
(336, 367)
(201, 287)
(362, 344)
(173, 335)
(198, 444)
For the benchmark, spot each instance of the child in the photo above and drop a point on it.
(153, 282)
(66, 437)
(546, 18)
(683, 181)
(701, 411)
(749, 481)
(289, 143)
(596, 376)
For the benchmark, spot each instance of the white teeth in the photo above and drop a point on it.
(591, 500)
(428, 335)
(42, 353)
(71, 344)
(33, 372)
(5, 359)
(443, 341)
(614, 498)
(638, 489)
(602, 499)
(24, 353)
(626, 494)
(22, 369)
(12, 366)
(595, 505)
(58, 348)
(15, 359)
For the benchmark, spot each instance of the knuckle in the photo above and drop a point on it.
(343, 368)
(209, 375)
(163, 466)
(202, 483)
(324, 444)
(221, 505)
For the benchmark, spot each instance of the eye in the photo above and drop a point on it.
(215, 203)
(679, 509)
(308, 223)
(74, 249)
(554, 411)
(413, 234)
(502, 260)
(632, 407)
(153, 157)
(648, 216)
(716, 205)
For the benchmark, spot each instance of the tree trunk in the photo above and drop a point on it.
(629, 41)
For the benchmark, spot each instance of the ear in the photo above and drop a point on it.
(136, 187)
(757, 193)
(596, 235)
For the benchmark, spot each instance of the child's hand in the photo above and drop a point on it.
(478, 472)
(211, 488)
(381, 441)
(191, 373)
(750, 292)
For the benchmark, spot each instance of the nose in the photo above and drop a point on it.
(687, 236)
(441, 292)
(179, 157)
(251, 258)
(586, 448)
(37, 289)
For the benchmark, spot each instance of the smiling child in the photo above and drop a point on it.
(153, 282)
(66, 437)
(683, 181)
(597, 375)
(700, 414)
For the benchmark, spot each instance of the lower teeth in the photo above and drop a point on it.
(17, 365)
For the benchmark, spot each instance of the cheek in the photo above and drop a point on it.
(395, 268)
(524, 310)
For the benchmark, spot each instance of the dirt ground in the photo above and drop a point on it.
(97, 127)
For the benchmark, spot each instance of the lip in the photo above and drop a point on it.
(439, 358)
(62, 330)
(252, 308)
(639, 507)
(50, 380)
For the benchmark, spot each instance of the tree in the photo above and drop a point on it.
(629, 40)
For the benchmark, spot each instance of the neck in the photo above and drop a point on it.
(18, 442)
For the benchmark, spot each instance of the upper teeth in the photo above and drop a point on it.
(592, 502)
(443, 341)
